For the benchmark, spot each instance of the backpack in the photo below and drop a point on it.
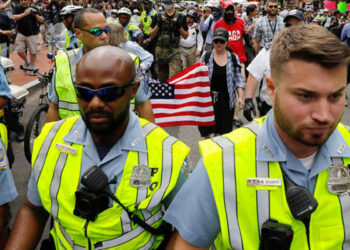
(233, 58)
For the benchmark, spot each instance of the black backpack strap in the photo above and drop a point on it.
(207, 56)
(234, 60)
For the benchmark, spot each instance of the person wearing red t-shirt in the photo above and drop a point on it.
(235, 27)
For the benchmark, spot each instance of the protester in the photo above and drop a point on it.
(225, 81)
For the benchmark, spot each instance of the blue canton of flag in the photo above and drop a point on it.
(162, 90)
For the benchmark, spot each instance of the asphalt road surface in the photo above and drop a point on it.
(21, 169)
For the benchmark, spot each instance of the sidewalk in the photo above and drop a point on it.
(18, 77)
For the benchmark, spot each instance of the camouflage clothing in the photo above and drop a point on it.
(168, 62)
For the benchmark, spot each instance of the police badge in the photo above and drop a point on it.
(141, 177)
(338, 180)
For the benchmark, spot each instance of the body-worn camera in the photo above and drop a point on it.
(89, 203)
(275, 236)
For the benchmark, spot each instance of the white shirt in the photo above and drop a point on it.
(260, 68)
(193, 38)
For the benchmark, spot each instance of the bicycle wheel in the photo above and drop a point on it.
(34, 126)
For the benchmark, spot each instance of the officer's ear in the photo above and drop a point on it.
(271, 87)
(78, 33)
(134, 89)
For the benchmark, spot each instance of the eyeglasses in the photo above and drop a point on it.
(96, 31)
(273, 6)
(107, 94)
(219, 41)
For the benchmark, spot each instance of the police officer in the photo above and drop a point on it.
(168, 26)
(91, 29)
(131, 31)
(113, 18)
(242, 185)
(67, 13)
(146, 19)
(143, 164)
(8, 190)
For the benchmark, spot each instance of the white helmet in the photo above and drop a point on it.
(135, 11)
(70, 10)
(213, 4)
(125, 11)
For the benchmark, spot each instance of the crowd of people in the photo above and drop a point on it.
(108, 177)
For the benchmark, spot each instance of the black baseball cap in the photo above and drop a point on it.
(295, 13)
(220, 34)
(167, 1)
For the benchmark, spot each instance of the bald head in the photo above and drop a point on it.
(109, 60)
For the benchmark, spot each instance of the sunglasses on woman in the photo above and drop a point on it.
(96, 31)
(107, 94)
(219, 41)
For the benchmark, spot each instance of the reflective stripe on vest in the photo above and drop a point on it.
(65, 76)
(57, 182)
(3, 134)
(129, 28)
(147, 25)
(329, 223)
(67, 42)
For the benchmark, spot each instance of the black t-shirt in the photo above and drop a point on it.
(181, 22)
(53, 13)
(218, 79)
(28, 25)
(5, 24)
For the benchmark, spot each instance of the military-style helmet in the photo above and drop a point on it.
(192, 13)
(70, 10)
(124, 11)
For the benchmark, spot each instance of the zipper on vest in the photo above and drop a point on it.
(85, 233)
(306, 222)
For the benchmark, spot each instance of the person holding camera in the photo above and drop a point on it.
(105, 176)
(27, 22)
(282, 181)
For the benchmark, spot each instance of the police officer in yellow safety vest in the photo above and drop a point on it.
(113, 18)
(67, 13)
(8, 190)
(140, 165)
(131, 31)
(91, 28)
(282, 181)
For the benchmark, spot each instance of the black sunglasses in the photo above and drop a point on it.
(107, 94)
(96, 31)
(273, 6)
(219, 41)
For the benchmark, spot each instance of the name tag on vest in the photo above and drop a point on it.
(66, 148)
(262, 182)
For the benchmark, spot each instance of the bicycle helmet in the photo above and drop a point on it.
(70, 10)
(124, 11)
(114, 11)
(213, 4)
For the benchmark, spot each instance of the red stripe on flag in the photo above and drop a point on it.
(182, 105)
(193, 113)
(194, 94)
(192, 85)
(186, 123)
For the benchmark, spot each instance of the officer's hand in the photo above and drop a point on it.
(248, 109)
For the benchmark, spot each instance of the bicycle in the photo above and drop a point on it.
(38, 117)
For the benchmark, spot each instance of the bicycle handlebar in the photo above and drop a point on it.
(34, 71)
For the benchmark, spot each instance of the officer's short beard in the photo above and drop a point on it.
(229, 17)
(112, 124)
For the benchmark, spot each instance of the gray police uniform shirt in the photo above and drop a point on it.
(113, 163)
(143, 93)
(8, 191)
(195, 200)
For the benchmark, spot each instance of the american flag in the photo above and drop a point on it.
(184, 99)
